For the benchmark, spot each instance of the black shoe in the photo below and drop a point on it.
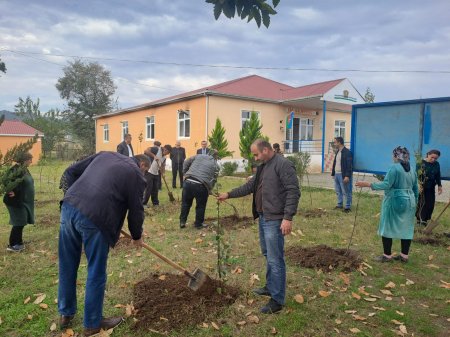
(261, 291)
(383, 259)
(338, 207)
(65, 322)
(15, 248)
(347, 210)
(182, 225)
(106, 324)
(400, 258)
(202, 226)
(271, 307)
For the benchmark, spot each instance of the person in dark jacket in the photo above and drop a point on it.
(276, 194)
(429, 177)
(342, 173)
(125, 147)
(201, 172)
(20, 201)
(204, 149)
(99, 192)
(178, 155)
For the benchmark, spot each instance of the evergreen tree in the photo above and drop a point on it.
(250, 132)
(218, 142)
(369, 97)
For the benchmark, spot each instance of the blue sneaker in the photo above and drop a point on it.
(15, 248)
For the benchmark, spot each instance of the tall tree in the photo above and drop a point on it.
(259, 10)
(50, 123)
(218, 142)
(250, 132)
(88, 89)
(369, 97)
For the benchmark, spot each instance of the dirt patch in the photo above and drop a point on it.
(231, 222)
(312, 213)
(48, 220)
(165, 302)
(41, 203)
(433, 239)
(324, 257)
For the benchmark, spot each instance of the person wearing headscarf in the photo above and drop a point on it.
(399, 205)
(429, 175)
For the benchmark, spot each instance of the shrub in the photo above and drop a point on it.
(229, 168)
(301, 161)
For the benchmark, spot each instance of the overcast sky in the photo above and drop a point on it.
(408, 35)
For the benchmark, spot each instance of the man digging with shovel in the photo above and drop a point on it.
(99, 191)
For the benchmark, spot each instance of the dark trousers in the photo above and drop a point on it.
(177, 168)
(152, 189)
(198, 192)
(387, 245)
(425, 206)
(15, 238)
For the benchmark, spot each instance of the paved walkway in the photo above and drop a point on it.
(324, 180)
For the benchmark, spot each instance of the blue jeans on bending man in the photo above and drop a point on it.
(272, 247)
(343, 190)
(77, 231)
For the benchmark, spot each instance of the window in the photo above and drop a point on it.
(184, 123)
(339, 129)
(105, 133)
(306, 129)
(245, 116)
(150, 127)
(124, 129)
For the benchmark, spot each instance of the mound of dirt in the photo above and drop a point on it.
(231, 221)
(313, 213)
(165, 302)
(322, 257)
(434, 239)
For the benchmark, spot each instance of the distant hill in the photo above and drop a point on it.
(9, 115)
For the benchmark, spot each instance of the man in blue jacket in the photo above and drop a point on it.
(99, 191)
(342, 173)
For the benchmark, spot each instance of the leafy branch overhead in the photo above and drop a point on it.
(259, 10)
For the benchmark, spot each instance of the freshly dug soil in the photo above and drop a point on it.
(164, 302)
(231, 222)
(434, 239)
(322, 257)
(313, 213)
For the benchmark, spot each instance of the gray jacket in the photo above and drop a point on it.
(203, 168)
(280, 189)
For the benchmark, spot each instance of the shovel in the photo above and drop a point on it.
(196, 280)
(169, 192)
(434, 223)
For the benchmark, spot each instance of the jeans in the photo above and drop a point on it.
(343, 190)
(271, 241)
(77, 231)
(198, 192)
(177, 168)
(151, 189)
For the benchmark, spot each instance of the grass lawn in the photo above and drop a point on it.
(334, 304)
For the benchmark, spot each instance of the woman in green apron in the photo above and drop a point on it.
(399, 205)
(20, 201)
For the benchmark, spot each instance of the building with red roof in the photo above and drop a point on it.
(14, 132)
(294, 117)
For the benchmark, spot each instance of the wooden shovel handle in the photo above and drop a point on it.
(158, 254)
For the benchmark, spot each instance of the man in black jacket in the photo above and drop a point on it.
(99, 191)
(178, 155)
(204, 149)
(275, 199)
(342, 173)
(125, 147)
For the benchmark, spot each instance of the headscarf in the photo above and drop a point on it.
(401, 154)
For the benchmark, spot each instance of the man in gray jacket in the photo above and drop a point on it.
(275, 199)
(200, 175)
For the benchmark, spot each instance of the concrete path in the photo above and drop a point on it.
(324, 180)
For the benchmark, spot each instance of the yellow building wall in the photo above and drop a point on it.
(229, 111)
(166, 127)
(8, 142)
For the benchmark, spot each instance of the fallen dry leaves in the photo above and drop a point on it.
(390, 285)
(345, 278)
(370, 299)
(253, 319)
(354, 330)
(27, 300)
(445, 285)
(324, 293)
(39, 298)
(299, 298)
(273, 331)
(215, 326)
(53, 326)
(355, 295)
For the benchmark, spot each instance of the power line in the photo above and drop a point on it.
(240, 67)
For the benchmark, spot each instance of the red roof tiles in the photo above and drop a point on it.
(16, 128)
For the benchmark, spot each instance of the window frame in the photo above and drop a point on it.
(184, 120)
(148, 124)
(105, 133)
(309, 125)
(124, 129)
(339, 130)
(243, 120)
